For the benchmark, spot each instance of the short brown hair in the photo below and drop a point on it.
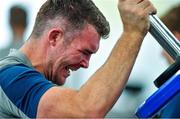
(76, 12)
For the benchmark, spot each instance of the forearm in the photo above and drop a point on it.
(105, 86)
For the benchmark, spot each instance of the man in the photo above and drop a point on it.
(65, 35)
(18, 23)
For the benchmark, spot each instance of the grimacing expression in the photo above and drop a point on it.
(74, 55)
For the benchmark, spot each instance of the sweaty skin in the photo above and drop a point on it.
(102, 90)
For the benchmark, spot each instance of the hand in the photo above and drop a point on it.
(134, 15)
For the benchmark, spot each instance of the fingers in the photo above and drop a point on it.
(131, 1)
(147, 7)
(151, 10)
(135, 14)
(144, 4)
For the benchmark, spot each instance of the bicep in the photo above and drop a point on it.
(60, 102)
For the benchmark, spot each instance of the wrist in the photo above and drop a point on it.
(134, 34)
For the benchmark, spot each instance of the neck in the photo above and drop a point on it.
(34, 52)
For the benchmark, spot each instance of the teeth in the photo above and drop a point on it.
(69, 70)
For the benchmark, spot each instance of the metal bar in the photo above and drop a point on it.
(164, 37)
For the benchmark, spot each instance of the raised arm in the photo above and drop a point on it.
(103, 89)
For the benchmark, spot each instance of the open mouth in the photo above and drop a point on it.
(70, 69)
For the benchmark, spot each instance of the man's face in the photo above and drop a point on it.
(73, 55)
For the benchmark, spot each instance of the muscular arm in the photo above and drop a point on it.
(102, 90)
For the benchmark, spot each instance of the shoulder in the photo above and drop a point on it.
(24, 86)
(20, 73)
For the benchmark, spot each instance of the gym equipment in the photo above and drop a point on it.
(169, 81)
(165, 38)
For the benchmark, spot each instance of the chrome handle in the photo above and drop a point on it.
(164, 36)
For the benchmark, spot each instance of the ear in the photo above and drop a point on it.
(54, 36)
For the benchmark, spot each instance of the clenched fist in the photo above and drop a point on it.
(134, 15)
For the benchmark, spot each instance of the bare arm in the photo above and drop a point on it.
(102, 90)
